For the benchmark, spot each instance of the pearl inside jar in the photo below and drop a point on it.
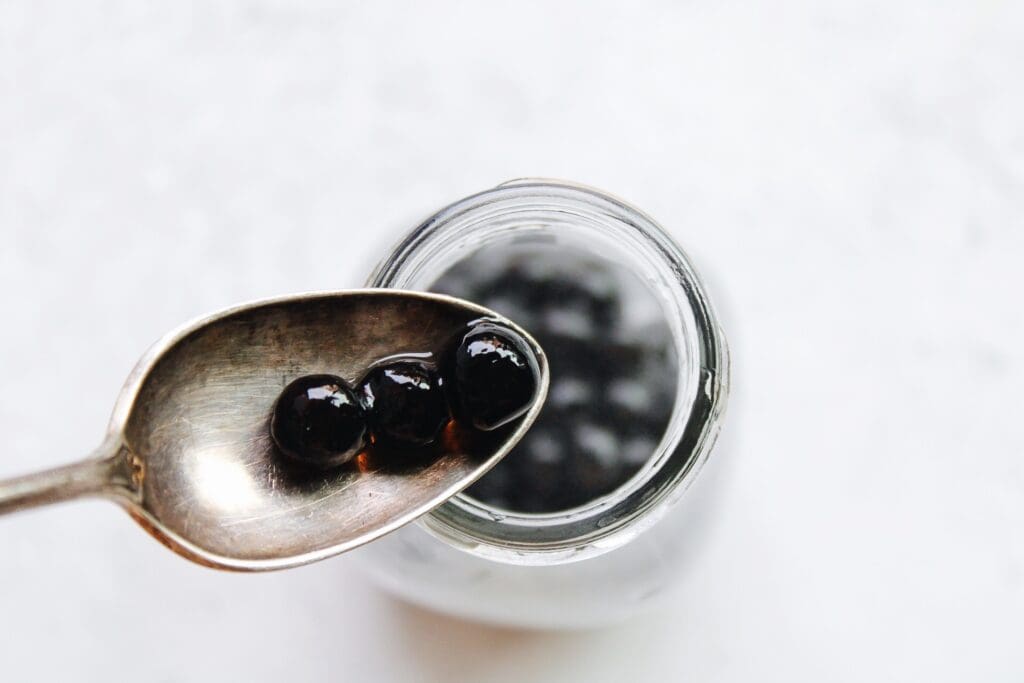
(613, 371)
(553, 224)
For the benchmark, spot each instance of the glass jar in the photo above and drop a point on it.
(614, 555)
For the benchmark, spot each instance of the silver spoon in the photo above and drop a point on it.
(188, 452)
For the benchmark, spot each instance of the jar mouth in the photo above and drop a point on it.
(539, 210)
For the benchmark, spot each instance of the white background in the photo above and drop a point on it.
(849, 177)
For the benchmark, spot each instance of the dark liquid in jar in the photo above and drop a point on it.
(613, 372)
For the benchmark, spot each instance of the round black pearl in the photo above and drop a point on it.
(405, 403)
(319, 421)
(493, 376)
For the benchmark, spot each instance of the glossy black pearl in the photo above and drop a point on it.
(493, 376)
(405, 403)
(318, 421)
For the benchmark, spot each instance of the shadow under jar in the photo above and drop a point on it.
(562, 532)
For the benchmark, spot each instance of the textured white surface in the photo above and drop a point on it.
(850, 177)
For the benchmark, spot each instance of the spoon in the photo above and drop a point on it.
(188, 452)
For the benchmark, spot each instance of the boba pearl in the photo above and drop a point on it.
(318, 421)
(573, 305)
(492, 376)
(405, 403)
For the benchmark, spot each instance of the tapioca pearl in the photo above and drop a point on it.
(318, 421)
(405, 403)
(491, 376)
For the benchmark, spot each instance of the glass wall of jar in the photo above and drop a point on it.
(507, 557)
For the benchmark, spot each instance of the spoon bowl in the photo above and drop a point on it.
(189, 452)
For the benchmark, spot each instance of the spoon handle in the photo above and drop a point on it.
(108, 472)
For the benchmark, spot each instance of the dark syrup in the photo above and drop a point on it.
(407, 411)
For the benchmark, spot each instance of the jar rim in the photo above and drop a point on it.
(612, 520)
